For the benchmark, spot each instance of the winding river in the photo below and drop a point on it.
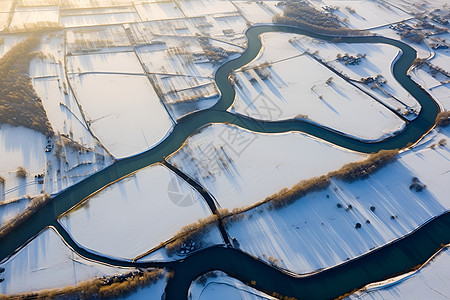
(388, 260)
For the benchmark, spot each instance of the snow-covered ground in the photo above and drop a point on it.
(9, 41)
(364, 14)
(159, 11)
(141, 210)
(314, 233)
(46, 263)
(378, 61)
(295, 85)
(258, 12)
(423, 50)
(153, 292)
(99, 19)
(9, 210)
(21, 147)
(24, 18)
(65, 165)
(119, 62)
(125, 113)
(429, 282)
(218, 285)
(434, 85)
(241, 168)
(227, 28)
(194, 8)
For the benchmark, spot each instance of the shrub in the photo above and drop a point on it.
(106, 287)
(443, 118)
(21, 172)
(363, 169)
(358, 225)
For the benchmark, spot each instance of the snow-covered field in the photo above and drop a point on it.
(241, 168)
(295, 85)
(24, 18)
(119, 62)
(9, 41)
(364, 14)
(99, 19)
(195, 8)
(435, 85)
(378, 61)
(429, 282)
(219, 286)
(314, 233)
(159, 11)
(46, 263)
(97, 39)
(10, 210)
(141, 210)
(125, 113)
(69, 165)
(257, 11)
(153, 292)
(21, 147)
(227, 28)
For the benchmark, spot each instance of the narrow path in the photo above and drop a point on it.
(210, 200)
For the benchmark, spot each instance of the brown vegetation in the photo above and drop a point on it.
(106, 287)
(443, 119)
(189, 232)
(21, 172)
(19, 103)
(363, 169)
(348, 172)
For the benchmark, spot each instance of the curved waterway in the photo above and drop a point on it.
(388, 260)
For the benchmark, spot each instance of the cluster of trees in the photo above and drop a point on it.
(363, 169)
(214, 54)
(303, 12)
(189, 232)
(99, 287)
(303, 15)
(19, 103)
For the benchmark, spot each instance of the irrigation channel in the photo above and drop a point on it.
(386, 261)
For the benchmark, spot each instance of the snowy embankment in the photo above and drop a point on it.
(319, 230)
(429, 282)
(142, 210)
(47, 263)
(285, 83)
(241, 168)
(218, 285)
